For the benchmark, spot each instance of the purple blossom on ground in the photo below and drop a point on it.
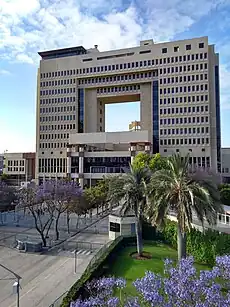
(180, 286)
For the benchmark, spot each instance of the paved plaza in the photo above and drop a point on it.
(45, 276)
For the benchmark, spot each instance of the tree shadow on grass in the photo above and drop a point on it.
(125, 266)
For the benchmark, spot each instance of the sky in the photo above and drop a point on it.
(27, 27)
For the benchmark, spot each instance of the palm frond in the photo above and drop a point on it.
(186, 193)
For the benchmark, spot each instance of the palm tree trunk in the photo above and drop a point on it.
(181, 243)
(139, 236)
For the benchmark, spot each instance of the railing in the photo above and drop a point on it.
(223, 219)
(58, 301)
(95, 258)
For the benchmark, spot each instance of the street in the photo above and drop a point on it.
(44, 276)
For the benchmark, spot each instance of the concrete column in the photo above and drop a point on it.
(81, 165)
(133, 149)
(68, 162)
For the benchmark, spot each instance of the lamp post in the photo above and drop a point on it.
(16, 285)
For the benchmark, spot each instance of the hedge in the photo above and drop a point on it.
(203, 246)
(91, 272)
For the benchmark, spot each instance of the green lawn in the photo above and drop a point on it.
(131, 269)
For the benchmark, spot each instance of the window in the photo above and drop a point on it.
(188, 47)
(164, 50)
(176, 48)
(201, 45)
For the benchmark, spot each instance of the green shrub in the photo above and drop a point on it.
(225, 196)
(203, 246)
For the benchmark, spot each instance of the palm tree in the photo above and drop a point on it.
(130, 190)
(186, 192)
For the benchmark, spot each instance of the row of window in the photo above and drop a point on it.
(185, 99)
(52, 165)
(182, 110)
(57, 100)
(118, 88)
(225, 170)
(15, 162)
(189, 120)
(54, 136)
(190, 141)
(57, 82)
(114, 67)
(183, 69)
(52, 145)
(116, 78)
(194, 130)
(15, 169)
(197, 161)
(150, 74)
(57, 118)
(58, 109)
(58, 127)
(58, 91)
(185, 78)
(180, 69)
(184, 89)
(187, 47)
(173, 121)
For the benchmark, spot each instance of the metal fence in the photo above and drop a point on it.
(95, 258)
(223, 220)
(23, 220)
(58, 301)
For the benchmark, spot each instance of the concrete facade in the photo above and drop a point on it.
(177, 84)
(121, 226)
(92, 155)
(225, 164)
(20, 167)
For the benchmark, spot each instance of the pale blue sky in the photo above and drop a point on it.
(30, 26)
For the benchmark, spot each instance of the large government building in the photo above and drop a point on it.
(177, 84)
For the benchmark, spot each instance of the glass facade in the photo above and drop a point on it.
(155, 118)
(75, 165)
(80, 110)
(106, 164)
(218, 128)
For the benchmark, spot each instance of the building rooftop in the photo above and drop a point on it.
(123, 137)
(60, 53)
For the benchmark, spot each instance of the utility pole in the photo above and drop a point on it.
(16, 285)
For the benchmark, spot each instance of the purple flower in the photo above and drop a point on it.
(180, 286)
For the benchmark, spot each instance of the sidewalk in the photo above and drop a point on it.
(44, 277)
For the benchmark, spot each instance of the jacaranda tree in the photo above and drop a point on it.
(36, 199)
(181, 285)
(63, 194)
(8, 196)
(48, 201)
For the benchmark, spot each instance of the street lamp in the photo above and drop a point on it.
(16, 285)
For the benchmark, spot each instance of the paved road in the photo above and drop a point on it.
(44, 277)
